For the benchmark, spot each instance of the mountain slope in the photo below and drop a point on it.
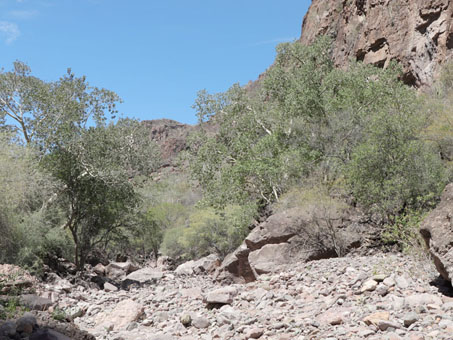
(416, 33)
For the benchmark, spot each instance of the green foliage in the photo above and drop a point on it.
(209, 231)
(11, 308)
(165, 205)
(404, 231)
(439, 104)
(359, 130)
(89, 162)
(309, 198)
(22, 191)
(59, 315)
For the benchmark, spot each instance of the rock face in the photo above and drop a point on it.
(295, 235)
(437, 231)
(170, 135)
(417, 33)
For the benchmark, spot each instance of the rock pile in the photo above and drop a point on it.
(383, 296)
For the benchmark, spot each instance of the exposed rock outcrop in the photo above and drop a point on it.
(437, 231)
(295, 235)
(416, 33)
(170, 136)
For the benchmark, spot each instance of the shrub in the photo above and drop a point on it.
(209, 231)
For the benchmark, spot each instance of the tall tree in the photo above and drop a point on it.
(91, 161)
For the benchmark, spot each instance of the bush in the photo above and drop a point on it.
(209, 231)
(389, 175)
(404, 231)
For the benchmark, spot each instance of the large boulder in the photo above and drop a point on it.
(142, 276)
(266, 259)
(117, 270)
(206, 264)
(437, 231)
(298, 234)
(236, 267)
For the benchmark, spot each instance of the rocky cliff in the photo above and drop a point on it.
(170, 136)
(416, 33)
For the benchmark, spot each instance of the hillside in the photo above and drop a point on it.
(416, 33)
(314, 203)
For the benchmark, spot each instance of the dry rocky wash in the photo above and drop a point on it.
(416, 33)
(380, 296)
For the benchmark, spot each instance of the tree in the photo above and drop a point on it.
(94, 171)
(91, 161)
(46, 113)
(355, 129)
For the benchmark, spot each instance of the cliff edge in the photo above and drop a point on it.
(416, 33)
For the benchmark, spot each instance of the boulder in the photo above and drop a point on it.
(26, 324)
(117, 270)
(295, 235)
(437, 231)
(206, 264)
(99, 269)
(236, 267)
(276, 229)
(121, 316)
(108, 287)
(220, 297)
(142, 276)
(186, 268)
(266, 259)
(48, 334)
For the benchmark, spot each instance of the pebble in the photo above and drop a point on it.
(339, 298)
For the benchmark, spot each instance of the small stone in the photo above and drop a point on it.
(389, 281)
(368, 286)
(374, 318)
(220, 296)
(445, 324)
(186, 320)
(131, 326)
(379, 277)
(365, 333)
(416, 337)
(332, 318)
(383, 325)
(108, 287)
(253, 333)
(200, 322)
(382, 289)
(410, 318)
(401, 282)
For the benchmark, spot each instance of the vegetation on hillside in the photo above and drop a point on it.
(74, 178)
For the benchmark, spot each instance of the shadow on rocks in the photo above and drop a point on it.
(444, 287)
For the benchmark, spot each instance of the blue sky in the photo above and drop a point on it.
(155, 54)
